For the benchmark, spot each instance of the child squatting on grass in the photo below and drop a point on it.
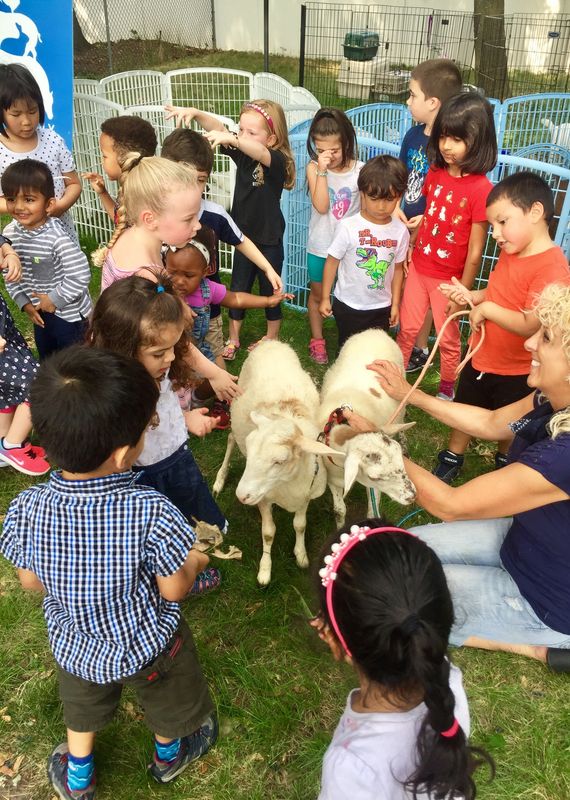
(386, 609)
(113, 559)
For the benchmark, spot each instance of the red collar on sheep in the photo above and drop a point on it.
(336, 417)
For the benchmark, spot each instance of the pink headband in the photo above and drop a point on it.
(339, 550)
(263, 112)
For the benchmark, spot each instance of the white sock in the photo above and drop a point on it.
(9, 445)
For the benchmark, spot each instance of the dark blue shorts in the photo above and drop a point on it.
(178, 477)
(57, 334)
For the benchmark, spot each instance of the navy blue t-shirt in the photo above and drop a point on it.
(536, 549)
(214, 216)
(414, 155)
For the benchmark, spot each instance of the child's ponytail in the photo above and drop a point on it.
(446, 762)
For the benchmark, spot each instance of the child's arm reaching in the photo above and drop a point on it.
(97, 183)
(184, 116)
(245, 300)
(223, 383)
(460, 294)
(70, 194)
(251, 147)
(199, 423)
(175, 587)
(251, 252)
(329, 274)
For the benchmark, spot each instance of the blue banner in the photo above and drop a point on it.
(39, 35)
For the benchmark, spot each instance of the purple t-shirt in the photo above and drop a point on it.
(536, 549)
(196, 299)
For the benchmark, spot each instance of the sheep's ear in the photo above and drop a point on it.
(395, 427)
(308, 445)
(342, 434)
(351, 466)
(258, 418)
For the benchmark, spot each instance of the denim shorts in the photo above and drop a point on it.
(178, 477)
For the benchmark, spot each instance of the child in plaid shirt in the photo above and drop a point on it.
(113, 559)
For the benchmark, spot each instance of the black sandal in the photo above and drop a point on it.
(558, 659)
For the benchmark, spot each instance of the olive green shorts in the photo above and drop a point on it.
(171, 690)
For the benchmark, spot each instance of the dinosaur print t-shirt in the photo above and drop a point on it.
(453, 204)
(368, 254)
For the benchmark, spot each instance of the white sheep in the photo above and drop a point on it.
(373, 459)
(274, 425)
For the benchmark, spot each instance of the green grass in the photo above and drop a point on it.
(278, 692)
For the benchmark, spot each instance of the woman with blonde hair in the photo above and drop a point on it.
(505, 542)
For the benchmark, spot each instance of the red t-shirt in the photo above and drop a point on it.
(515, 284)
(453, 204)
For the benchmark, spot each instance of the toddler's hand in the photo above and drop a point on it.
(2, 344)
(33, 314)
(457, 292)
(476, 317)
(394, 316)
(45, 303)
(414, 222)
(55, 210)
(275, 299)
(96, 181)
(325, 308)
(12, 268)
(199, 423)
(183, 116)
(225, 385)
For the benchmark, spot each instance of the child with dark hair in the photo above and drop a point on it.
(120, 137)
(190, 147)
(368, 252)
(520, 209)
(22, 135)
(431, 83)
(54, 290)
(112, 621)
(453, 230)
(145, 319)
(332, 180)
(387, 610)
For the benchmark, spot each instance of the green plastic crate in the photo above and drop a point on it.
(361, 45)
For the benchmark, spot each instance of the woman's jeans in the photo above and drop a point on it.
(486, 600)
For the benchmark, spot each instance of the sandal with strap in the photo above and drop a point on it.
(253, 345)
(230, 350)
(206, 581)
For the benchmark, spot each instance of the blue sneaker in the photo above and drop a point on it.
(191, 748)
(57, 773)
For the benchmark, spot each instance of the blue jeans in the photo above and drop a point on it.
(487, 601)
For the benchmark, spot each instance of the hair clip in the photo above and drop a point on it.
(263, 113)
(159, 289)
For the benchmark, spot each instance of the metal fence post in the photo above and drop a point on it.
(108, 34)
(302, 45)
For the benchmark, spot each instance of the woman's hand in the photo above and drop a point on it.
(183, 116)
(199, 423)
(391, 378)
(358, 423)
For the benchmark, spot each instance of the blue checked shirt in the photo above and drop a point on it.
(97, 545)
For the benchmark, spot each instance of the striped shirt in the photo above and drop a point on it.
(52, 264)
(97, 545)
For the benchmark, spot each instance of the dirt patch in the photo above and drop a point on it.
(92, 61)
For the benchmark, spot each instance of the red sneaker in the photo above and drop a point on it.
(222, 410)
(25, 459)
(318, 351)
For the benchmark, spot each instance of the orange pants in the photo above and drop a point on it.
(421, 292)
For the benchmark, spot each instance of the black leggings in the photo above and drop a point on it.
(245, 272)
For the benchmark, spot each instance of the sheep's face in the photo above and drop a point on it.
(271, 459)
(375, 460)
